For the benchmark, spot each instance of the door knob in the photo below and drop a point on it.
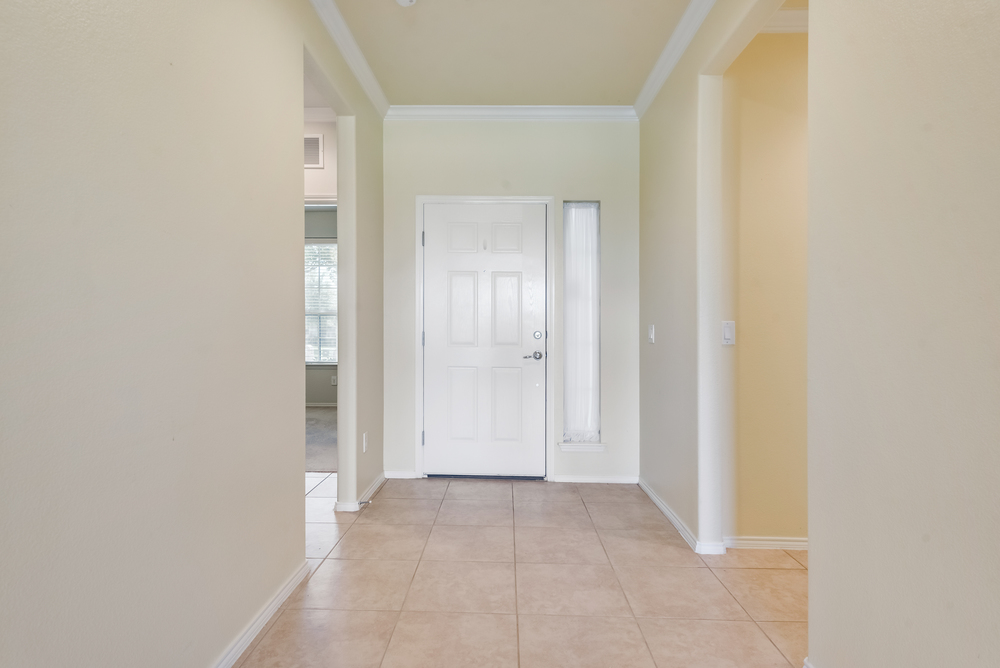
(535, 355)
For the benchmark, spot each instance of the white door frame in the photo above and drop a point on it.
(553, 342)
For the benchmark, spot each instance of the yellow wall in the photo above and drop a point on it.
(767, 85)
(904, 315)
(151, 418)
(566, 160)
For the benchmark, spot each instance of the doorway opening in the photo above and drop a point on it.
(321, 280)
(752, 308)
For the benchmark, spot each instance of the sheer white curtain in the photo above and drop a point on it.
(582, 323)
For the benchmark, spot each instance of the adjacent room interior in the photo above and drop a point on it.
(320, 176)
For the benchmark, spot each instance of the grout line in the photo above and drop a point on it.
(412, 577)
(388, 642)
(517, 618)
(782, 654)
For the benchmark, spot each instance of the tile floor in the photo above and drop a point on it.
(470, 573)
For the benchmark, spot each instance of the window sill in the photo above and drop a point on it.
(320, 365)
(583, 447)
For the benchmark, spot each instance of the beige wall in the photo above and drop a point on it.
(319, 389)
(323, 182)
(565, 160)
(904, 310)
(767, 85)
(151, 258)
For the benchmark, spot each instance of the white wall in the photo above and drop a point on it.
(151, 260)
(565, 160)
(904, 310)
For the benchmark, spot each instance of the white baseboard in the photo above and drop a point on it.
(606, 479)
(321, 405)
(354, 507)
(766, 543)
(807, 664)
(682, 528)
(372, 488)
(240, 644)
(405, 475)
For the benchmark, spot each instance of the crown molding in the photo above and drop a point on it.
(335, 24)
(459, 112)
(321, 200)
(319, 115)
(685, 31)
(788, 20)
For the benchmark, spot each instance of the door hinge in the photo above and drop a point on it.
(421, 238)
(421, 438)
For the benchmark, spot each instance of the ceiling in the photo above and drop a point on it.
(313, 98)
(531, 52)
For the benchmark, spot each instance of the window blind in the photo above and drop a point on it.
(321, 303)
(581, 322)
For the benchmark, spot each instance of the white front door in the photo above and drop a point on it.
(484, 346)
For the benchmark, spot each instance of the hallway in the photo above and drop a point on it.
(439, 572)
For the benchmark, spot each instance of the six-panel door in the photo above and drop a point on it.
(484, 320)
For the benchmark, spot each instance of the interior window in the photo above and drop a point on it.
(321, 303)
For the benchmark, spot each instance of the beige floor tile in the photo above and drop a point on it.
(792, 638)
(464, 543)
(556, 515)
(256, 641)
(321, 509)
(326, 488)
(612, 493)
(687, 593)
(323, 639)
(355, 584)
(479, 490)
(581, 642)
(627, 516)
(545, 545)
(462, 586)
(569, 589)
(769, 595)
(452, 640)
(402, 542)
(687, 643)
(551, 492)
(313, 564)
(653, 547)
(751, 559)
(419, 488)
(400, 511)
(476, 513)
(320, 538)
(801, 556)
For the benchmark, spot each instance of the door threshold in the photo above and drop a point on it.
(486, 477)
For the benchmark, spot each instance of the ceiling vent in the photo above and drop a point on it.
(314, 151)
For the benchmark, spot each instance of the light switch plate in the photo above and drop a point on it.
(333, 380)
(652, 334)
(728, 332)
